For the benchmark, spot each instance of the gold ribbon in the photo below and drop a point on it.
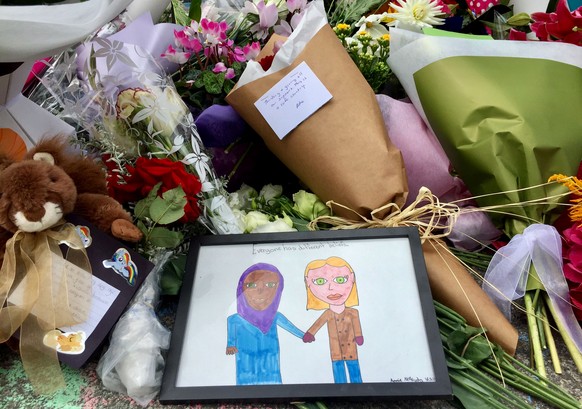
(433, 218)
(36, 298)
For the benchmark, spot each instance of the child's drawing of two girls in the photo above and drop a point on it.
(252, 332)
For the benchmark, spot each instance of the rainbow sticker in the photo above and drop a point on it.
(122, 264)
(85, 235)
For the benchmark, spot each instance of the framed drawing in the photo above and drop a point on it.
(306, 315)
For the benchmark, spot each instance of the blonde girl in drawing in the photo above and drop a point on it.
(331, 286)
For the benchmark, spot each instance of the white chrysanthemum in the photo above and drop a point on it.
(419, 13)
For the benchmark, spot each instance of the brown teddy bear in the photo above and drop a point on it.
(51, 182)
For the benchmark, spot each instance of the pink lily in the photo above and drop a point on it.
(562, 25)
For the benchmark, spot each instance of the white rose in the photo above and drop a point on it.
(242, 198)
(253, 219)
(270, 191)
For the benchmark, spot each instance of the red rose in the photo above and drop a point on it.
(149, 172)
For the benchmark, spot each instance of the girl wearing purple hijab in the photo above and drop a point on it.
(252, 332)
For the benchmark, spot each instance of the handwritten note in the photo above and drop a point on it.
(103, 296)
(96, 294)
(292, 100)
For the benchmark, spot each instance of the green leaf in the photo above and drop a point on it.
(467, 342)
(142, 227)
(213, 82)
(142, 208)
(170, 207)
(299, 224)
(195, 11)
(228, 86)
(180, 16)
(477, 350)
(164, 237)
(172, 275)
(469, 393)
(191, 75)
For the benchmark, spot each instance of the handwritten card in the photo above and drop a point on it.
(292, 100)
(99, 297)
(103, 296)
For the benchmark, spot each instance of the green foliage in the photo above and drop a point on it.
(370, 55)
(485, 376)
(153, 213)
(348, 11)
(195, 11)
(166, 238)
(173, 274)
(202, 88)
(169, 207)
(180, 15)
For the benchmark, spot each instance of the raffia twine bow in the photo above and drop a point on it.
(36, 297)
(434, 219)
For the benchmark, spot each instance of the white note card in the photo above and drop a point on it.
(292, 100)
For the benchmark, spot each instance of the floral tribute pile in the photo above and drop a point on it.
(184, 162)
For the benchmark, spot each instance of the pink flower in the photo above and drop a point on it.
(572, 254)
(285, 29)
(517, 35)
(175, 56)
(562, 25)
(183, 40)
(251, 51)
(219, 67)
(293, 5)
(444, 7)
(229, 74)
(268, 16)
(212, 31)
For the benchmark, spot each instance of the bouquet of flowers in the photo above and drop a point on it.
(131, 112)
(499, 154)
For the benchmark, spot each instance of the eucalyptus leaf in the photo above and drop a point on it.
(142, 208)
(170, 207)
(164, 237)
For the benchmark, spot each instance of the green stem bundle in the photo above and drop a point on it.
(489, 380)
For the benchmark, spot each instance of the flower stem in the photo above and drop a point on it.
(550, 340)
(534, 336)
(576, 355)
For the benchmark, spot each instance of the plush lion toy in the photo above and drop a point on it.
(51, 182)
